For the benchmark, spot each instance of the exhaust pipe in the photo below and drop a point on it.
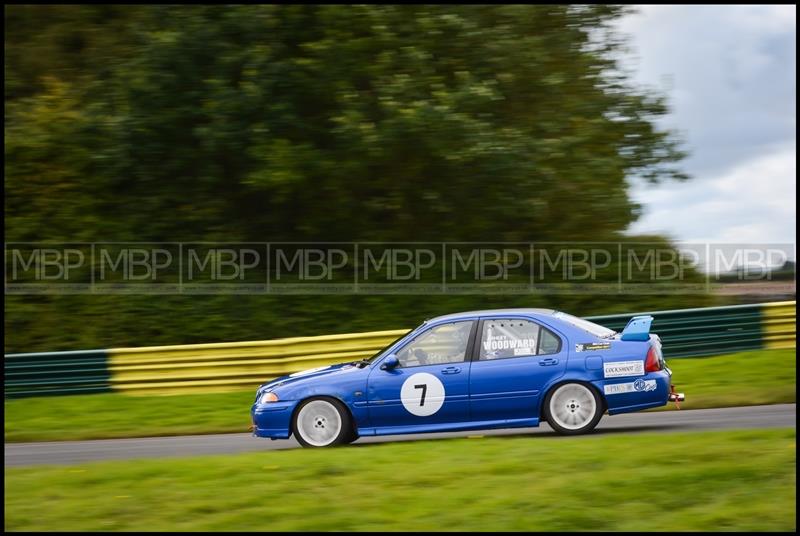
(675, 397)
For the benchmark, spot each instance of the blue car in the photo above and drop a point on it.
(474, 371)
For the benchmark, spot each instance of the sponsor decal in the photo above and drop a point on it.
(642, 385)
(617, 369)
(504, 343)
(422, 394)
(591, 346)
(639, 386)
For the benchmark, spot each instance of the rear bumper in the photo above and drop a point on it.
(624, 395)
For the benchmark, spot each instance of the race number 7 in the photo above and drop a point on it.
(424, 387)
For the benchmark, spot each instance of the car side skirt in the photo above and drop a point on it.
(449, 427)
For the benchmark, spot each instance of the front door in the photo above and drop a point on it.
(431, 384)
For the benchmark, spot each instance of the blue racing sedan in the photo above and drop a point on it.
(477, 370)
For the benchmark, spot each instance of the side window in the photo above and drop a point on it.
(506, 337)
(549, 343)
(437, 346)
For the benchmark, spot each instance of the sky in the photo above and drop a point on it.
(729, 75)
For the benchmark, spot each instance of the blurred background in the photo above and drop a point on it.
(377, 123)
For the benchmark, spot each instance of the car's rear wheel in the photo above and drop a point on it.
(322, 422)
(573, 408)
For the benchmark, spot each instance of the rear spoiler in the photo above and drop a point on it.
(638, 329)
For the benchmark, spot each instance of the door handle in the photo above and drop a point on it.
(451, 370)
(549, 361)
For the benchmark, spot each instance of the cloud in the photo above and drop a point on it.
(753, 202)
(729, 75)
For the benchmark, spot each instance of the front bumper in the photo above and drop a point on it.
(273, 420)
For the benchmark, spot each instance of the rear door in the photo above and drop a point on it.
(514, 360)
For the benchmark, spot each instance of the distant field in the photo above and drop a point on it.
(706, 481)
(746, 378)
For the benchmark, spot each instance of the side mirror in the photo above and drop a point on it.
(390, 362)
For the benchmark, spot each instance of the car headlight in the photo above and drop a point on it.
(268, 397)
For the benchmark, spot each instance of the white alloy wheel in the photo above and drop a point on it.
(573, 407)
(319, 423)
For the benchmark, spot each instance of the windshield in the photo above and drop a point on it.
(595, 329)
(379, 352)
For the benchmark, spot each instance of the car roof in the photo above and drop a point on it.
(493, 312)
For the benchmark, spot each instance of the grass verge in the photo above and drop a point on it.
(746, 378)
(740, 379)
(663, 482)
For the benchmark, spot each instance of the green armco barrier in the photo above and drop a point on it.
(56, 373)
(700, 332)
(244, 365)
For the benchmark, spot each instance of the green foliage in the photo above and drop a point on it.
(313, 123)
(758, 377)
(700, 481)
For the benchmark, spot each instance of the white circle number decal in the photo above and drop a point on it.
(422, 394)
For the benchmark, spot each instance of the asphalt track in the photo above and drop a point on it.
(70, 452)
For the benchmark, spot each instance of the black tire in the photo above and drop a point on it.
(352, 436)
(577, 405)
(324, 418)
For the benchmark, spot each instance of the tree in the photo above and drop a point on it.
(278, 122)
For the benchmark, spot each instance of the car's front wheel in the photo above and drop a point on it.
(322, 422)
(573, 408)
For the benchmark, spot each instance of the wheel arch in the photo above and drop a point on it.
(562, 381)
(314, 396)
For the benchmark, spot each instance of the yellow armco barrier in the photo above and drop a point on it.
(236, 365)
(778, 324)
(204, 368)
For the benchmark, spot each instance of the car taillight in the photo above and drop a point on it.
(652, 363)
